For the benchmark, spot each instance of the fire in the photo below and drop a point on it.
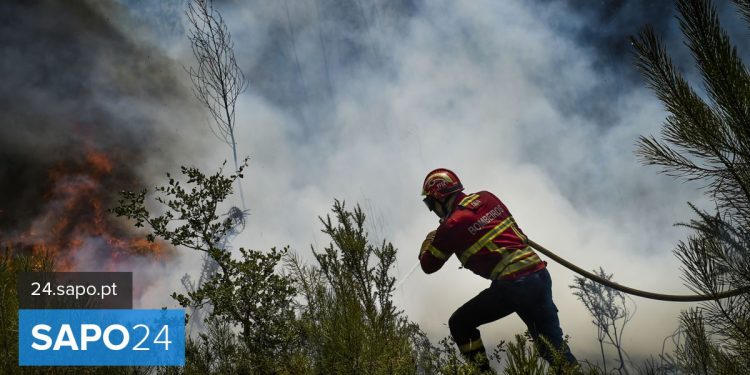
(99, 161)
(75, 229)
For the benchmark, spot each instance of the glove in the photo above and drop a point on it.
(427, 242)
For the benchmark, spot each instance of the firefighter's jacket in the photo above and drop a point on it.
(482, 234)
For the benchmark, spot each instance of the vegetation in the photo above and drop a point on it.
(217, 79)
(269, 316)
(346, 314)
(610, 311)
(342, 320)
(10, 265)
(708, 139)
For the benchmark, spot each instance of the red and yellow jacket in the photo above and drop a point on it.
(482, 233)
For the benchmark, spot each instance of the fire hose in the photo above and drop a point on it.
(637, 292)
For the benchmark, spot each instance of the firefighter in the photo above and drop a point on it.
(481, 232)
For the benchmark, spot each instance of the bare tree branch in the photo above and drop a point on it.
(217, 79)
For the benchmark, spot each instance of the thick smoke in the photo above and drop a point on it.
(536, 101)
(86, 112)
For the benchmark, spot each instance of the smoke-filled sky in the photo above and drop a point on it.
(536, 101)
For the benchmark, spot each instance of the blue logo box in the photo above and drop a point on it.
(101, 337)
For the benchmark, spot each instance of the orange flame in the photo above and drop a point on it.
(75, 218)
(99, 162)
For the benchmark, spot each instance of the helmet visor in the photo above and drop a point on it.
(429, 202)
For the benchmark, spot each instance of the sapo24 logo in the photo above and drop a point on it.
(101, 337)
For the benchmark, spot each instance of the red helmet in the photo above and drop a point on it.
(441, 183)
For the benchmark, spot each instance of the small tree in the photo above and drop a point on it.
(350, 322)
(217, 79)
(217, 83)
(610, 312)
(708, 140)
(252, 304)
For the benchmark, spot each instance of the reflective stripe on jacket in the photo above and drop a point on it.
(482, 233)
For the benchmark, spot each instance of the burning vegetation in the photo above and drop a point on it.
(81, 116)
(74, 221)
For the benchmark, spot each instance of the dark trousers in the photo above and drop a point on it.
(530, 297)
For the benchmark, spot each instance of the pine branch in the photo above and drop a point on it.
(726, 77)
